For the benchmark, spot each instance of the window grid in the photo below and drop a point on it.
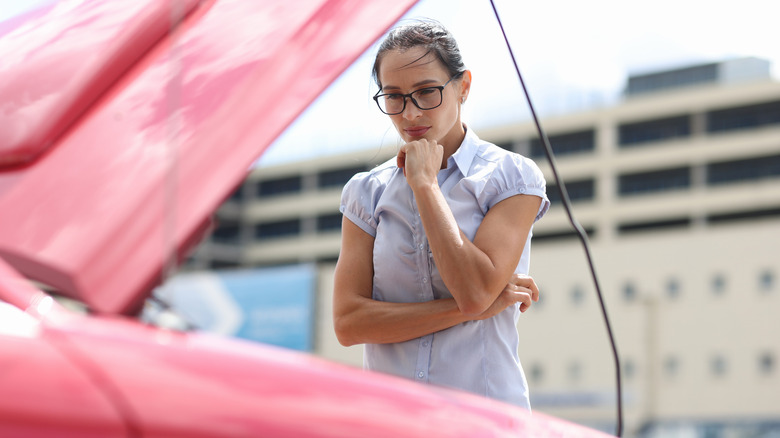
(229, 233)
(565, 144)
(272, 230)
(766, 280)
(654, 181)
(636, 134)
(751, 169)
(280, 186)
(329, 222)
(665, 224)
(337, 177)
(671, 366)
(673, 288)
(751, 116)
(766, 363)
(629, 292)
(583, 190)
(718, 366)
(719, 284)
(577, 296)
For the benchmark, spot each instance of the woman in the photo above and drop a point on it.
(435, 243)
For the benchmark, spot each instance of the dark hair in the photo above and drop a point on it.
(429, 34)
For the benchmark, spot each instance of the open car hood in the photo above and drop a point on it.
(126, 123)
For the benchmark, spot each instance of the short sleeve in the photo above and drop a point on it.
(517, 175)
(358, 201)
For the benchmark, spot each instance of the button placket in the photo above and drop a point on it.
(426, 294)
(423, 358)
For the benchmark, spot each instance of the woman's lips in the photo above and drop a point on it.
(417, 131)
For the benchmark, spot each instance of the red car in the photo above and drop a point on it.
(124, 125)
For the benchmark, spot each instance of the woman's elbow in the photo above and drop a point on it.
(472, 307)
(344, 334)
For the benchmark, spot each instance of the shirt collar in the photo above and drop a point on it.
(464, 156)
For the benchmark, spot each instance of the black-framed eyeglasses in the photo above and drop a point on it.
(426, 98)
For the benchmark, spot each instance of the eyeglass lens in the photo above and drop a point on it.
(426, 98)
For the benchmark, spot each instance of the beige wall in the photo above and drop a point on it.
(741, 323)
(694, 326)
(326, 343)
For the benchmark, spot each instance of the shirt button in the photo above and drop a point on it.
(421, 246)
(425, 343)
(425, 279)
(420, 375)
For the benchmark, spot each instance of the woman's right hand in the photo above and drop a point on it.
(421, 161)
(520, 289)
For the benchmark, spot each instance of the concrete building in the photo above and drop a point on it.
(678, 188)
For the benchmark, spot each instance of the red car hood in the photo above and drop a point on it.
(66, 374)
(125, 124)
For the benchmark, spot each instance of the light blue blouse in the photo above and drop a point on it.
(476, 356)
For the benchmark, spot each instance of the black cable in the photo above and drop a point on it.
(577, 227)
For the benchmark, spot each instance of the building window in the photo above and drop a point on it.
(583, 190)
(766, 363)
(542, 298)
(329, 222)
(666, 224)
(565, 144)
(766, 281)
(751, 169)
(279, 186)
(654, 181)
(272, 230)
(223, 264)
(718, 366)
(333, 258)
(673, 288)
(752, 116)
(536, 373)
(629, 292)
(337, 177)
(574, 372)
(555, 236)
(577, 296)
(636, 134)
(238, 194)
(227, 233)
(672, 78)
(671, 366)
(742, 216)
(629, 368)
(719, 284)
(506, 145)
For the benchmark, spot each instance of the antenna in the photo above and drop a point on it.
(577, 227)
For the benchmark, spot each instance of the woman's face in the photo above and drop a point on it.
(399, 73)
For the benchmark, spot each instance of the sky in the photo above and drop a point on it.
(573, 55)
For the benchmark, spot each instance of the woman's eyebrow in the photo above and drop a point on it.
(415, 85)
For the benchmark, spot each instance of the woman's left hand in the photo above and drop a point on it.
(521, 283)
(520, 289)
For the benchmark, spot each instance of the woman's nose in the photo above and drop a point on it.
(411, 111)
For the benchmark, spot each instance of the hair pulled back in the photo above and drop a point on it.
(431, 35)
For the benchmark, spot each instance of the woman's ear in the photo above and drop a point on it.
(465, 86)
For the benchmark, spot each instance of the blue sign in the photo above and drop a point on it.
(277, 303)
(270, 305)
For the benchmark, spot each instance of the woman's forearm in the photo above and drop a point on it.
(358, 318)
(378, 322)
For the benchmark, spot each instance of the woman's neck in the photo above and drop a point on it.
(452, 146)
